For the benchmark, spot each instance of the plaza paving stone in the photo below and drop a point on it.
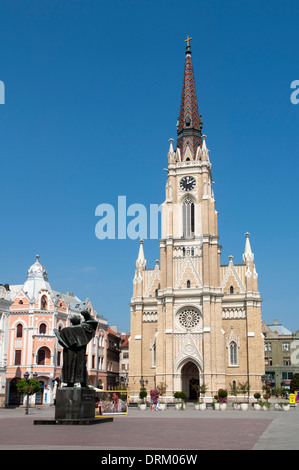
(146, 430)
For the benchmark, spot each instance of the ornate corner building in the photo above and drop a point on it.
(35, 309)
(193, 320)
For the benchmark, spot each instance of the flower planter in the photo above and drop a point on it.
(197, 406)
(265, 408)
(142, 406)
(244, 406)
(257, 406)
(180, 406)
(202, 406)
(236, 406)
(217, 406)
(285, 407)
(163, 406)
(222, 406)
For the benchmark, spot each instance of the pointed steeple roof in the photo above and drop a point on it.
(189, 123)
(248, 255)
(141, 261)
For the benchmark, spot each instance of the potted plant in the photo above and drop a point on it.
(200, 390)
(257, 405)
(162, 391)
(142, 396)
(233, 390)
(244, 389)
(285, 406)
(180, 396)
(216, 404)
(222, 399)
(265, 404)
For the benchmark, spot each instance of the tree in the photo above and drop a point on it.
(243, 388)
(294, 385)
(199, 389)
(28, 387)
(162, 388)
(143, 394)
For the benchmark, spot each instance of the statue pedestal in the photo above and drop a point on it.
(75, 406)
(75, 403)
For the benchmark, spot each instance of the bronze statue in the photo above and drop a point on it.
(74, 340)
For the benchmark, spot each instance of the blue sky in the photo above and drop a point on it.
(92, 93)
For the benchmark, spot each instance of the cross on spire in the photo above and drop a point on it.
(187, 41)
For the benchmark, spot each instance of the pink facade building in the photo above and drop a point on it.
(32, 345)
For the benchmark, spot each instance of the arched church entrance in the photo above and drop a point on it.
(190, 378)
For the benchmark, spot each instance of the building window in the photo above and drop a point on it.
(233, 353)
(285, 346)
(189, 318)
(268, 347)
(188, 218)
(41, 357)
(42, 329)
(231, 289)
(188, 284)
(18, 355)
(19, 331)
(59, 358)
(286, 361)
(154, 353)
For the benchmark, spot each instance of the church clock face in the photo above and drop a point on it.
(187, 183)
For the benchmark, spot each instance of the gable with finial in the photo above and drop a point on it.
(188, 273)
(231, 282)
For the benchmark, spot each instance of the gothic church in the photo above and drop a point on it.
(193, 320)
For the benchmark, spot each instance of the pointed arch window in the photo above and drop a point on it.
(188, 217)
(233, 353)
(188, 284)
(231, 289)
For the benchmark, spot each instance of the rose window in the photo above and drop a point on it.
(189, 318)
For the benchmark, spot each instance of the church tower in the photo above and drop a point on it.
(193, 320)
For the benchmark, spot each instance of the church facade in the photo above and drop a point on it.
(194, 321)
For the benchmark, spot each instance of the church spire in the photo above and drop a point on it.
(189, 123)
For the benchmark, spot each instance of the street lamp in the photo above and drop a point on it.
(143, 382)
(26, 377)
